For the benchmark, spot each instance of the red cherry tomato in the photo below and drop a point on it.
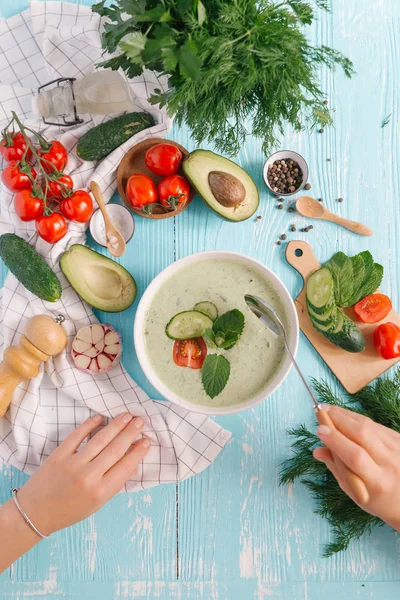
(387, 340)
(173, 190)
(61, 188)
(27, 206)
(78, 207)
(13, 146)
(15, 179)
(163, 159)
(373, 308)
(51, 228)
(141, 190)
(190, 353)
(55, 158)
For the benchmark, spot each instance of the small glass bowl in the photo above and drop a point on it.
(116, 212)
(283, 155)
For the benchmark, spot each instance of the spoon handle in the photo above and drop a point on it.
(352, 225)
(96, 191)
(355, 483)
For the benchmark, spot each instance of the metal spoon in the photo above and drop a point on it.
(272, 321)
(115, 242)
(309, 207)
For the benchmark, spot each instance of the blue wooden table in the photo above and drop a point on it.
(231, 533)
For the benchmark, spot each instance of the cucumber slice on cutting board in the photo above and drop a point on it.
(188, 324)
(319, 293)
(322, 317)
(208, 308)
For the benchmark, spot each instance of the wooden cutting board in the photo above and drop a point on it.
(354, 370)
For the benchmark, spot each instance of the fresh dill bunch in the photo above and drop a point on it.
(381, 402)
(235, 66)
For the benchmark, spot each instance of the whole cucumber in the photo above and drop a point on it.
(106, 137)
(29, 267)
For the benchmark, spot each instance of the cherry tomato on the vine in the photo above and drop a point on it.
(54, 158)
(173, 190)
(28, 206)
(51, 228)
(78, 207)
(60, 188)
(163, 159)
(15, 179)
(13, 146)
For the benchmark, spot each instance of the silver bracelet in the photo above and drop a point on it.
(23, 513)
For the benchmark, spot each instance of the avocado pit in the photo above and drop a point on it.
(227, 189)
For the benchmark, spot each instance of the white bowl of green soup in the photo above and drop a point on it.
(200, 345)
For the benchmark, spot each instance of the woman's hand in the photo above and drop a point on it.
(370, 450)
(72, 485)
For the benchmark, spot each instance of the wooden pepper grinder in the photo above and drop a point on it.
(43, 338)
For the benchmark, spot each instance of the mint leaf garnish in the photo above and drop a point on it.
(209, 336)
(228, 328)
(215, 374)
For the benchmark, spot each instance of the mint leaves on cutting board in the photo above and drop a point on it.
(354, 277)
(342, 282)
(215, 374)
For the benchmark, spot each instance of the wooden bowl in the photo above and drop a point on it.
(134, 163)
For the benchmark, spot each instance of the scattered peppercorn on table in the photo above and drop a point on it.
(231, 533)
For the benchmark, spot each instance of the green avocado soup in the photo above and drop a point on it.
(258, 355)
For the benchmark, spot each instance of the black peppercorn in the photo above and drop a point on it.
(307, 186)
(291, 209)
(283, 236)
(293, 228)
(321, 130)
(340, 199)
(280, 206)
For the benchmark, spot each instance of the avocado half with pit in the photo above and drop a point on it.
(101, 282)
(227, 188)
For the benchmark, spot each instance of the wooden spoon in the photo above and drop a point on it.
(115, 242)
(309, 207)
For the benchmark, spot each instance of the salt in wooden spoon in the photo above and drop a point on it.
(115, 242)
(309, 207)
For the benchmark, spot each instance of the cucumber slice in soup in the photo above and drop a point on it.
(208, 308)
(188, 324)
(320, 290)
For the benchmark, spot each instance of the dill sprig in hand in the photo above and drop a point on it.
(234, 67)
(379, 401)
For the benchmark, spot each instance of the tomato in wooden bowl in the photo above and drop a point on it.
(136, 181)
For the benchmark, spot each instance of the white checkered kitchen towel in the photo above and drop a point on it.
(50, 40)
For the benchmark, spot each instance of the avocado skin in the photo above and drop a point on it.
(72, 272)
(197, 166)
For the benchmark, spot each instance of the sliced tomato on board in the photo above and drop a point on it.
(190, 353)
(373, 308)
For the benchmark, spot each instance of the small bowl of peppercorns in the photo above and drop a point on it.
(285, 173)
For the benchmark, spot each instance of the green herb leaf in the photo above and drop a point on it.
(209, 336)
(189, 62)
(201, 13)
(358, 268)
(228, 328)
(133, 46)
(386, 121)
(215, 374)
(342, 273)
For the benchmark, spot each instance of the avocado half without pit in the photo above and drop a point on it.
(224, 186)
(100, 281)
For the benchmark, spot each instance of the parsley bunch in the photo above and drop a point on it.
(381, 402)
(235, 66)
